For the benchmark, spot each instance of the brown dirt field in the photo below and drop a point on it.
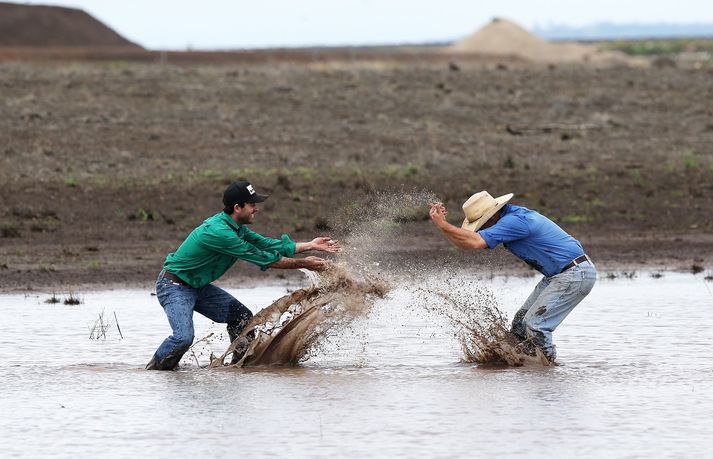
(106, 166)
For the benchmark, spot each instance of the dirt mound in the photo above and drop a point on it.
(505, 38)
(39, 25)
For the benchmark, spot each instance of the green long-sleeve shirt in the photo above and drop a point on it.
(212, 248)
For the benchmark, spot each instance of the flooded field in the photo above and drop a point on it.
(635, 379)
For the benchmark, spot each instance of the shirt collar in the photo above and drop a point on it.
(229, 220)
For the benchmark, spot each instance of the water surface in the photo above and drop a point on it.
(634, 380)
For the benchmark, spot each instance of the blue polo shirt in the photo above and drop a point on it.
(533, 238)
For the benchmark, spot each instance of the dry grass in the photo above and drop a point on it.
(102, 325)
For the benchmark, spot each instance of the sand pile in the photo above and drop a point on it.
(51, 26)
(505, 38)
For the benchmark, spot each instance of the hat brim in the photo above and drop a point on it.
(477, 224)
(257, 198)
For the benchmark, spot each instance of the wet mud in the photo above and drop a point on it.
(285, 332)
(483, 330)
(107, 167)
(481, 327)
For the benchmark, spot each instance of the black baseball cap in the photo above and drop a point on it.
(241, 192)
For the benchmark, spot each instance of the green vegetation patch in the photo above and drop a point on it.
(400, 170)
(661, 47)
(71, 182)
(574, 218)
(9, 230)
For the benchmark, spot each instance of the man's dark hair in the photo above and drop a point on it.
(230, 209)
(239, 193)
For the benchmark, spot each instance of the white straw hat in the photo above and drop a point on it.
(480, 207)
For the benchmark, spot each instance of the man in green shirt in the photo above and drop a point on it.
(184, 284)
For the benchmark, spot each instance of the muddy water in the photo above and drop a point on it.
(634, 380)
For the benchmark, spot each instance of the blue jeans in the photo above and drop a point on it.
(552, 300)
(179, 302)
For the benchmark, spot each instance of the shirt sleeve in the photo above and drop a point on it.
(509, 228)
(229, 243)
(284, 246)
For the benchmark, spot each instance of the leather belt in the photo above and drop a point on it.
(575, 262)
(173, 278)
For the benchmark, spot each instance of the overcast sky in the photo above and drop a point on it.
(226, 24)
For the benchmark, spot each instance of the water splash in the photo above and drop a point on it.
(286, 331)
(481, 327)
(296, 324)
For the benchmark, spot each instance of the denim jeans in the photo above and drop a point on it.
(552, 300)
(179, 302)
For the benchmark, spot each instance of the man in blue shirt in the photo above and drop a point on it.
(569, 274)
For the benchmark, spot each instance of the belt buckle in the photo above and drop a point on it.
(172, 281)
(178, 282)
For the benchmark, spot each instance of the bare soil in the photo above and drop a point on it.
(106, 166)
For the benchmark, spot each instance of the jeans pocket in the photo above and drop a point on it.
(566, 276)
(586, 278)
(163, 290)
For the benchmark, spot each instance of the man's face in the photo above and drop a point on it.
(246, 214)
(492, 220)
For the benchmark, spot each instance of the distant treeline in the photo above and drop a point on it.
(660, 47)
(609, 31)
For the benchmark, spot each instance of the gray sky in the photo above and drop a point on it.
(225, 24)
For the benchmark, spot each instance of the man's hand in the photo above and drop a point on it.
(460, 237)
(314, 263)
(311, 263)
(325, 244)
(438, 214)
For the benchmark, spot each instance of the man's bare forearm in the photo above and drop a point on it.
(287, 263)
(303, 247)
(311, 263)
(461, 237)
(320, 244)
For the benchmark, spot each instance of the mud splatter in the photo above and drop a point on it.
(481, 327)
(286, 331)
(369, 230)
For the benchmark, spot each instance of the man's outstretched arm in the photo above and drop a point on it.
(311, 263)
(322, 244)
(458, 236)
